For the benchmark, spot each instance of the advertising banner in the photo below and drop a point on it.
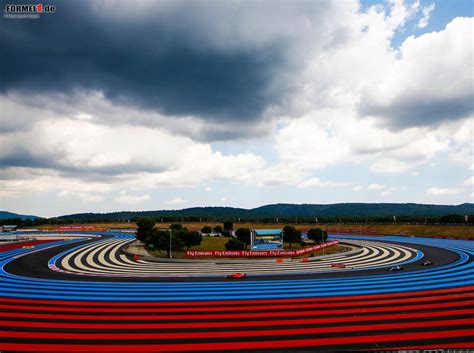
(260, 253)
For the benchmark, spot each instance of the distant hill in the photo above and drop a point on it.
(291, 210)
(10, 215)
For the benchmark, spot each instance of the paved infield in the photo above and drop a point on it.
(85, 295)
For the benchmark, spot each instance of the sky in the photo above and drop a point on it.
(146, 105)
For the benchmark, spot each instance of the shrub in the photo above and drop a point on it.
(234, 244)
(206, 230)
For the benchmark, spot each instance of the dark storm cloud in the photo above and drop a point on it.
(411, 111)
(155, 63)
(22, 156)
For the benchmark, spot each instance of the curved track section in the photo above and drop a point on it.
(106, 258)
(430, 307)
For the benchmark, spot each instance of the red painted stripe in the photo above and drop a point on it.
(231, 334)
(24, 243)
(451, 297)
(235, 302)
(238, 315)
(187, 347)
(439, 346)
(230, 324)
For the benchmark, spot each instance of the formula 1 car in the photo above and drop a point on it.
(237, 275)
(427, 263)
(396, 268)
(338, 265)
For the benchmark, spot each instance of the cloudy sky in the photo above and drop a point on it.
(124, 105)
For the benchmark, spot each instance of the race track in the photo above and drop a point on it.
(84, 294)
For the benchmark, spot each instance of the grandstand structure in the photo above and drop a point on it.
(266, 239)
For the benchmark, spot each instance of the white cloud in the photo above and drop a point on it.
(425, 86)
(132, 199)
(376, 187)
(84, 196)
(388, 165)
(309, 144)
(357, 188)
(316, 182)
(208, 189)
(29, 181)
(415, 174)
(277, 175)
(426, 12)
(176, 201)
(443, 192)
(119, 157)
(388, 192)
(469, 181)
(328, 137)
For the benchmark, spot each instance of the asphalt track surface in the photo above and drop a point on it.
(45, 308)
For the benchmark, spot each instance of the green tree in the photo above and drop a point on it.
(145, 228)
(217, 229)
(234, 244)
(325, 236)
(291, 235)
(206, 230)
(452, 218)
(190, 238)
(228, 226)
(243, 234)
(176, 226)
(160, 240)
(316, 234)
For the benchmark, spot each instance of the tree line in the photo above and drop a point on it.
(177, 237)
(450, 219)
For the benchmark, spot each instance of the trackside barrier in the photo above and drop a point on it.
(77, 228)
(260, 253)
(23, 245)
(365, 232)
(457, 238)
(361, 234)
(352, 230)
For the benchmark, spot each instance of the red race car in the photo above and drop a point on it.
(237, 275)
(338, 265)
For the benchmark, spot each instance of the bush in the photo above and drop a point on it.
(217, 229)
(316, 235)
(226, 234)
(234, 244)
(206, 230)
